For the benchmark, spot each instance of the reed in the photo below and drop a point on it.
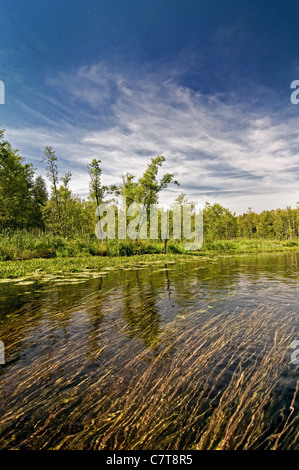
(23, 245)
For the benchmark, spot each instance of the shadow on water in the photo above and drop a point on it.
(168, 356)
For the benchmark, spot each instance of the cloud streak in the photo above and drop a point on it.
(220, 150)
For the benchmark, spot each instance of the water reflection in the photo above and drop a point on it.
(80, 357)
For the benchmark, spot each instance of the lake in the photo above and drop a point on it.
(184, 355)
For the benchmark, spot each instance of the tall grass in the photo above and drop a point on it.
(242, 245)
(24, 245)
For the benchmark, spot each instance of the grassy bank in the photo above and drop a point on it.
(23, 245)
(242, 246)
(26, 254)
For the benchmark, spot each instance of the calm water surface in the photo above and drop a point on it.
(169, 356)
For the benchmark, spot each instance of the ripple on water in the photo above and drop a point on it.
(196, 356)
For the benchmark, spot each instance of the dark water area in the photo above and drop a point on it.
(185, 355)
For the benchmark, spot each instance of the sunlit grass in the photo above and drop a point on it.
(38, 268)
(24, 253)
(23, 245)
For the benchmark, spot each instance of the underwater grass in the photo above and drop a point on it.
(218, 390)
(210, 381)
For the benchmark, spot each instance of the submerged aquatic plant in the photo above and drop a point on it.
(205, 381)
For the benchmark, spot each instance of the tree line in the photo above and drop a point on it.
(25, 202)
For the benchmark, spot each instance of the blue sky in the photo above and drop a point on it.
(204, 83)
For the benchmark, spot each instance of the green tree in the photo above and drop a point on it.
(149, 186)
(146, 190)
(39, 200)
(65, 199)
(265, 224)
(219, 222)
(247, 224)
(96, 190)
(16, 182)
(52, 173)
(128, 189)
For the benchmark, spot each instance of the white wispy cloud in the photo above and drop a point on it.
(218, 149)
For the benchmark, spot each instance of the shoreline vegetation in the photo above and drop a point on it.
(224, 374)
(25, 255)
(47, 232)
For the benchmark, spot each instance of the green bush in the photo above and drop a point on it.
(291, 243)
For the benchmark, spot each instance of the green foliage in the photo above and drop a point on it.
(40, 199)
(16, 183)
(23, 245)
(95, 187)
(52, 173)
(149, 186)
(97, 192)
(38, 267)
(146, 190)
(68, 222)
(219, 222)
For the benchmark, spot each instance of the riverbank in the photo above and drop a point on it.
(23, 245)
(81, 262)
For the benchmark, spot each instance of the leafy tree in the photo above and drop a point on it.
(128, 189)
(96, 190)
(16, 182)
(247, 224)
(74, 217)
(280, 224)
(65, 203)
(181, 199)
(146, 190)
(52, 173)
(291, 220)
(149, 186)
(265, 224)
(39, 199)
(219, 222)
